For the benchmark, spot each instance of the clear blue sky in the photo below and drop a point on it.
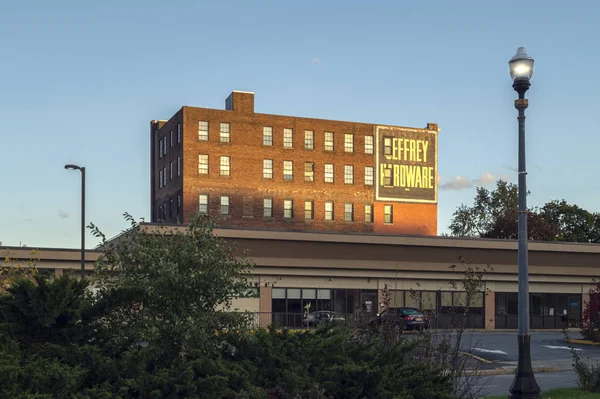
(80, 81)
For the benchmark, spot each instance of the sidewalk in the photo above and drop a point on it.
(540, 366)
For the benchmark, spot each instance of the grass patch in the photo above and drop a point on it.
(560, 393)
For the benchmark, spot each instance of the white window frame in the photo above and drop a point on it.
(390, 219)
(268, 210)
(309, 140)
(369, 145)
(348, 142)
(288, 170)
(329, 213)
(369, 207)
(348, 174)
(288, 211)
(203, 130)
(224, 132)
(202, 197)
(329, 141)
(349, 212)
(310, 212)
(203, 164)
(225, 205)
(224, 166)
(267, 168)
(288, 138)
(267, 136)
(329, 175)
(309, 175)
(369, 175)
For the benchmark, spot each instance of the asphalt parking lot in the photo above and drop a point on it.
(501, 347)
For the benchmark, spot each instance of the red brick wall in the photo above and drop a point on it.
(247, 152)
(174, 186)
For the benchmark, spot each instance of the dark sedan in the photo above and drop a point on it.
(406, 318)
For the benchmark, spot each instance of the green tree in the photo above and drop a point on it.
(179, 282)
(494, 214)
(573, 223)
(488, 206)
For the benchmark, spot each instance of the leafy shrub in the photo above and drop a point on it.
(590, 323)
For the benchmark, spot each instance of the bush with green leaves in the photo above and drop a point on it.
(148, 332)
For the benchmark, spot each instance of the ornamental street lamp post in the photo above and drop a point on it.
(524, 385)
(82, 170)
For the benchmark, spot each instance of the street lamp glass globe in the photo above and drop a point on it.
(521, 65)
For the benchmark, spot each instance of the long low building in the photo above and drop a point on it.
(347, 273)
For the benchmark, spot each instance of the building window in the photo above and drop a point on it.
(368, 144)
(164, 176)
(348, 174)
(225, 205)
(160, 149)
(178, 166)
(171, 139)
(288, 138)
(171, 170)
(328, 173)
(203, 164)
(203, 204)
(309, 171)
(268, 207)
(309, 210)
(329, 210)
(348, 142)
(225, 166)
(349, 212)
(268, 135)
(368, 213)
(288, 209)
(267, 168)
(328, 141)
(288, 170)
(160, 179)
(309, 140)
(387, 146)
(171, 208)
(203, 130)
(387, 177)
(179, 133)
(224, 133)
(369, 177)
(178, 204)
(165, 145)
(388, 216)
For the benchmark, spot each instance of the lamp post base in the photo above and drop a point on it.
(524, 385)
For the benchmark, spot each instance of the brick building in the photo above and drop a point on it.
(282, 172)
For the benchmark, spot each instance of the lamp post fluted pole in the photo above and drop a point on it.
(82, 170)
(524, 385)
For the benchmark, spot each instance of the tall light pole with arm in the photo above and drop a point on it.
(82, 170)
(524, 385)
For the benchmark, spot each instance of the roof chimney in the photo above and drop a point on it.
(241, 102)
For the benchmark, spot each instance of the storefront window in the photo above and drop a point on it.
(413, 299)
(429, 301)
(397, 299)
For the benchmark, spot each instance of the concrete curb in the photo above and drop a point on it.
(506, 371)
(482, 360)
(582, 342)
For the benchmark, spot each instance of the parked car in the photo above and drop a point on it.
(404, 318)
(322, 317)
